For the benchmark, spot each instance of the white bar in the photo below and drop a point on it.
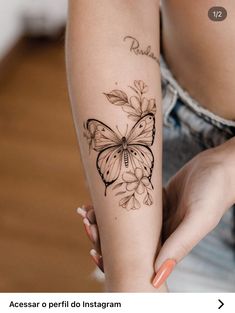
(129, 302)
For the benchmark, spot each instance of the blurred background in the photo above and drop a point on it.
(42, 243)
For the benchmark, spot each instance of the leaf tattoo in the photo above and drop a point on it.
(138, 105)
(117, 97)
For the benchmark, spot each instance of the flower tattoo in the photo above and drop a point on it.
(138, 184)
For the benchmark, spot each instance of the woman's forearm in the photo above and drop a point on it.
(114, 85)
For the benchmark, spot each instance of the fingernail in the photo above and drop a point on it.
(87, 228)
(96, 257)
(81, 212)
(164, 272)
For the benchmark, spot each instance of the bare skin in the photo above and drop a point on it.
(200, 52)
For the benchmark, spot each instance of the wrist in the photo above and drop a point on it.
(226, 153)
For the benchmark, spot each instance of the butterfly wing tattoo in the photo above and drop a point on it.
(109, 146)
(113, 150)
(139, 140)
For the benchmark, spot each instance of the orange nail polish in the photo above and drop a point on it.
(164, 272)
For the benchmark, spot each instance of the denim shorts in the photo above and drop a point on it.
(188, 130)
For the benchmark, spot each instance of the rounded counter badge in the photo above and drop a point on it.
(217, 14)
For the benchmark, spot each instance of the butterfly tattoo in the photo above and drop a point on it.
(128, 157)
(114, 151)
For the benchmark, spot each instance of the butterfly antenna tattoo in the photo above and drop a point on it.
(126, 130)
(119, 132)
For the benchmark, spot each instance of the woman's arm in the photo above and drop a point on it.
(114, 84)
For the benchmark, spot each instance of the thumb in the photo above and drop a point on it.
(189, 233)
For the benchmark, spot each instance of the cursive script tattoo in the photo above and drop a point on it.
(135, 48)
(126, 160)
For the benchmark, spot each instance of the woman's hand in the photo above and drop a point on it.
(91, 228)
(194, 200)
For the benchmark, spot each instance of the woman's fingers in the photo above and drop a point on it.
(88, 230)
(91, 216)
(89, 221)
(95, 237)
(97, 259)
(82, 211)
(88, 212)
(188, 234)
(92, 233)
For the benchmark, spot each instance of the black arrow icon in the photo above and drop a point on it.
(221, 304)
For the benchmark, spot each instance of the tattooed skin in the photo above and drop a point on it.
(135, 48)
(126, 160)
